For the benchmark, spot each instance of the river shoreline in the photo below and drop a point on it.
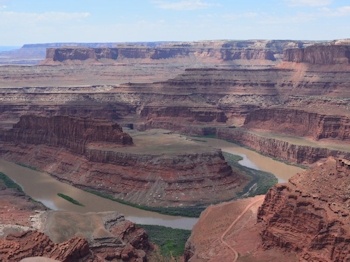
(43, 187)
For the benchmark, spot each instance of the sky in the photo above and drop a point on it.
(51, 21)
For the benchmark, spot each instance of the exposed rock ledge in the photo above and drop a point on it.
(319, 54)
(298, 154)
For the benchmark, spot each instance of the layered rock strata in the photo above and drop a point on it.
(63, 131)
(310, 214)
(319, 54)
(298, 97)
(300, 123)
(204, 51)
(284, 150)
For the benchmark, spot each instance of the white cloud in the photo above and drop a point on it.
(2, 7)
(308, 2)
(182, 5)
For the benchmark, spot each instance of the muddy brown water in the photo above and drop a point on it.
(42, 187)
(255, 160)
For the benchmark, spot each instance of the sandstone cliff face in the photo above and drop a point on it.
(300, 123)
(64, 131)
(62, 54)
(284, 150)
(32, 244)
(310, 214)
(247, 54)
(319, 54)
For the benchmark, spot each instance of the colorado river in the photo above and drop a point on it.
(42, 187)
(255, 160)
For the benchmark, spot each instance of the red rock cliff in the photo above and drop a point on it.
(319, 54)
(310, 214)
(64, 131)
(284, 150)
(300, 123)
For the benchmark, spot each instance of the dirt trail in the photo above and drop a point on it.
(233, 223)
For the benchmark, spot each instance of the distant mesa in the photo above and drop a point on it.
(203, 51)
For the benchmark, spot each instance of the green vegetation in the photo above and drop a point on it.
(68, 198)
(27, 166)
(260, 182)
(192, 211)
(9, 183)
(170, 241)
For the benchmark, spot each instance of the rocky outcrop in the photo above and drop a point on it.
(33, 243)
(319, 54)
(64, 131)
(300, 123)
(310, 214)
(293, 153)
(109, 235)
(102, 237)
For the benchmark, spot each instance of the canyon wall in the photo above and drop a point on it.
(64, 131)
(310, 214)
(300, 123)
(293, 153)
(319, 54)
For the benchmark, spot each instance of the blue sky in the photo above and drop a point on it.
(47, 21)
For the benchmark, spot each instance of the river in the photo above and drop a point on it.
(44, 188)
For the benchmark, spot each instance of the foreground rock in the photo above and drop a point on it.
(306, 219)
(28, 230)
(310, 214)
(32, 243)
(227, 228)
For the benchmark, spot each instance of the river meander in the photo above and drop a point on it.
(42, 187)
